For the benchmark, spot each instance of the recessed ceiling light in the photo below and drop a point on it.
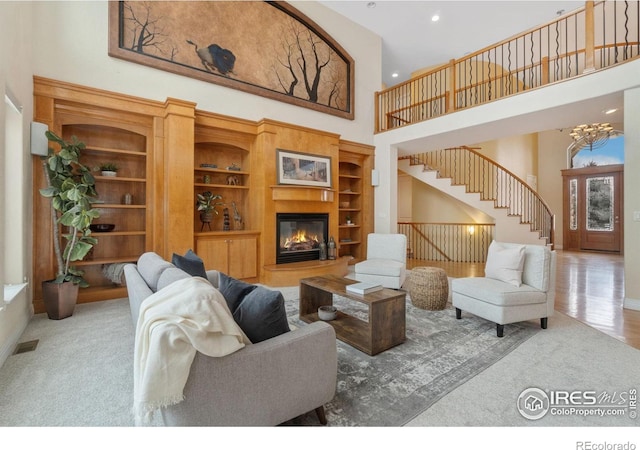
(394, 74)
(610, 111)
(435, 18)
(371, 5)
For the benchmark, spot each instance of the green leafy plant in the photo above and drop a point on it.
(108, 167)
(207, 202)
(71, 188)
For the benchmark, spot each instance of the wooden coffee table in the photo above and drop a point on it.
(386, 325)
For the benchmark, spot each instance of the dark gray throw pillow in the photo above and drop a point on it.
(190, 263)
(233, 291)
(261, 315)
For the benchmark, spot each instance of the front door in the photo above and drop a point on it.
(593, 208)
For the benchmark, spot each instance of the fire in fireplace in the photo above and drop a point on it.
(299, 236)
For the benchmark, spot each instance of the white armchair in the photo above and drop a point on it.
(386, 262)
(519, 284)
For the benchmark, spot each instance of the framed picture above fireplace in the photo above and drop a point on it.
(303, 169)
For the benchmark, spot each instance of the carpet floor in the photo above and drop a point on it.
(393, 387)
(80, 374)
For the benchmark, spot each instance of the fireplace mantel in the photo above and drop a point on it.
(301, 193)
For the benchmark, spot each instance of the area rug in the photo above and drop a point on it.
(393, 387)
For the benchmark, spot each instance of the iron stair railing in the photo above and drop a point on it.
(479, 174)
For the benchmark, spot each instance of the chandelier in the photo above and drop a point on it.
(593, 136)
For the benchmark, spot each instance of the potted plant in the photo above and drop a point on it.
(71, 188)
(207, 204)
(108, 169)
(348, 219)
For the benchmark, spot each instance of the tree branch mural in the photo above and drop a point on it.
(265, 48)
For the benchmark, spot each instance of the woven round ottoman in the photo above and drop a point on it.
(429, 288)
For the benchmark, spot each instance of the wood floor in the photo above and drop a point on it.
(589, 288)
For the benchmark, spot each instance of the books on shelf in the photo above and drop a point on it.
(363, 288)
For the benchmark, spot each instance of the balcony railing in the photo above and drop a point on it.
(452, 242)
(599, 35)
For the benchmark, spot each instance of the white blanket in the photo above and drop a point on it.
(188, 315)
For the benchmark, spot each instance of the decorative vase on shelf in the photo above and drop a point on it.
(323, 251)
(226, 224)
(332, 248)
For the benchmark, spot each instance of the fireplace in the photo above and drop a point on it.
(298, 236)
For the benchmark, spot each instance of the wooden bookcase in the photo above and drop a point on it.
(128, 240)
(350, 209)
(355, 200)
(222, 166)
(167, 153)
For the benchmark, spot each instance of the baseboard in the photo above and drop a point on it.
(10, 343)
(631, 303)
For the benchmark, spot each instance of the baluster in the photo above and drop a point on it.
(626, 29)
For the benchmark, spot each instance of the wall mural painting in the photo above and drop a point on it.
(265, 48)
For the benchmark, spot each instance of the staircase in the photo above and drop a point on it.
(521, 214)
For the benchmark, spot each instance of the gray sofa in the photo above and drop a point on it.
(263, 384)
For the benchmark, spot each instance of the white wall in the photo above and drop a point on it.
(431, 205)
(79, 54)
(552, 154)
(518, 154)
(15, 77)
(631, 199)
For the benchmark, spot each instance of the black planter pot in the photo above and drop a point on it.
(59, 299)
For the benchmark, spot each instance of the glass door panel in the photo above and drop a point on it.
(600, 201)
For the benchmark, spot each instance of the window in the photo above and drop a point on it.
(12, 226)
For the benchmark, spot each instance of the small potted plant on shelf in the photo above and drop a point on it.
(108, 169)
(71, 188)
(348, 219)
(207, 204)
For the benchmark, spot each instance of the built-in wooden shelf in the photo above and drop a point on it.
(99, 293)
(302, 193)
(225, 171)
(117, 206)
(220, 186)
(115, 151)
(93, 262)
(119, 179)
(117, 233)
(225, 233)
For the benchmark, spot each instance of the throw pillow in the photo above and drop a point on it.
(505, 263)
(233, 291)
(262, 315)
(190, 263)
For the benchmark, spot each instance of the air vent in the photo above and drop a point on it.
(25, 347)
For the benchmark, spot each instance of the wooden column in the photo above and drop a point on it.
(545, 71)
(178, 161)
(589, 32)
(451, 99)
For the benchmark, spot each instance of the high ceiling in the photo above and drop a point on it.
(412, 41)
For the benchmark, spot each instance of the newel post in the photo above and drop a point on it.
(376, 113)
(589, 40)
